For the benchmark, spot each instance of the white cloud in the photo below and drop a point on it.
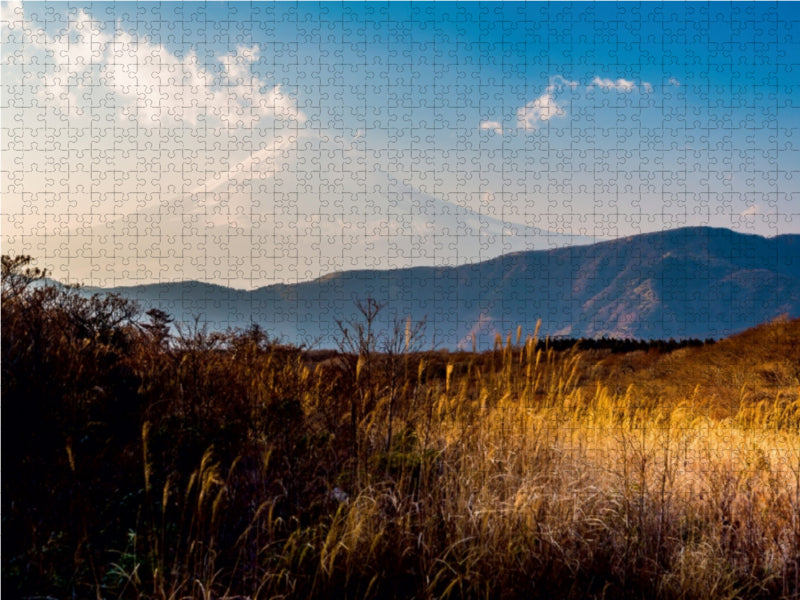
(542, 109)
(674, 82)
(142, 79)
(558, 82)
(548, 106)
(157, 87)
(495, 126)
(11, 14)
(545, 107)
(237, 65)
(68, 58)
(162, 88)
(277, 103)
(619, 85)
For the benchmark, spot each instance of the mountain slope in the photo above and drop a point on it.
(690, 282)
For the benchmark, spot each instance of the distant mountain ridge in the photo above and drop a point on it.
(690, 282)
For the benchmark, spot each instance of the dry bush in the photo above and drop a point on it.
(147, 464)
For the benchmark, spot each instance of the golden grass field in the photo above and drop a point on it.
(143, 464)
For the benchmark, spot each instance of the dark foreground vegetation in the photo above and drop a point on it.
(141, 464)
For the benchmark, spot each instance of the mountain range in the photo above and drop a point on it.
(694, 282)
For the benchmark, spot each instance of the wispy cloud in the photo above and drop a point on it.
(495, 126)
(619, 85)
(750, 211)
(549, 104)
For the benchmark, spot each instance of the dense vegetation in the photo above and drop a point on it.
(138, 462)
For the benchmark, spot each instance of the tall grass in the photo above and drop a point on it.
(238, 471)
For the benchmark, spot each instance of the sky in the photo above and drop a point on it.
(248, 144)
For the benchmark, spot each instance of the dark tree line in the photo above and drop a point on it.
(622, 345)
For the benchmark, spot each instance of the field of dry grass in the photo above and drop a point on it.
(141, 464)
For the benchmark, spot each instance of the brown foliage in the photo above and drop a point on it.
(144, 461)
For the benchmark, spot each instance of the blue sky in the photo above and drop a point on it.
(249, 144)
